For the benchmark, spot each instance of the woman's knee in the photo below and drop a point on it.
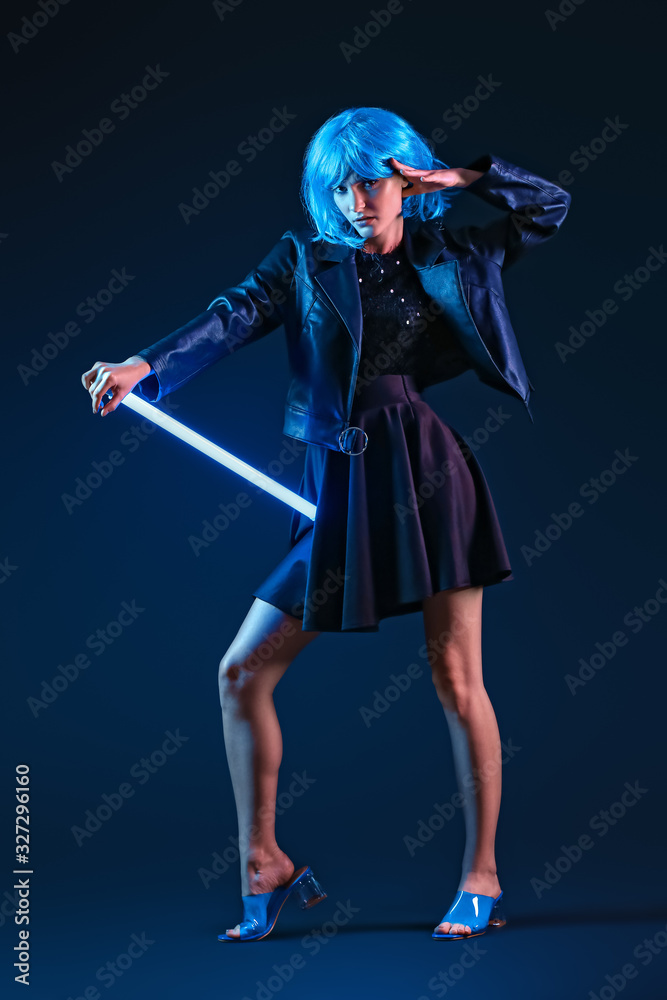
(452, 682)
(264, 646)
(235, 673)
(229, 671)
(236, 683)
(250, 655)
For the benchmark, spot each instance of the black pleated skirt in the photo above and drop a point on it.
(407, 517)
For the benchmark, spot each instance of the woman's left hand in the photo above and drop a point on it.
(425, 181)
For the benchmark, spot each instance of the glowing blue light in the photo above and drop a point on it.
(219, 455)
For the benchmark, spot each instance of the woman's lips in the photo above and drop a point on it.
(365, 220)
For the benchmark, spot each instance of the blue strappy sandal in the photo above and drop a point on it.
(475, 911)
(260, 911)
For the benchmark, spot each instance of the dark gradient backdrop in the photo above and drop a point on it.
(160, 867)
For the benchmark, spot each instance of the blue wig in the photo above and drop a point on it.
(362, 140)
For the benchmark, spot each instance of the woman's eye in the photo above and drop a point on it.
(341, 188)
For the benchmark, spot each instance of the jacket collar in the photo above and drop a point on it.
(423, 240)
(438, 268)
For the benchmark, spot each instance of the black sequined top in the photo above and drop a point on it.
(403, 330)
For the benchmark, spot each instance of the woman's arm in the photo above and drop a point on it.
(537, 210)
(536, 207)
(238, 316)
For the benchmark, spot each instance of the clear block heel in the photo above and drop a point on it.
(497, 917)
(308, 891)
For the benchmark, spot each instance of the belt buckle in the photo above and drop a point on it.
(352, 427)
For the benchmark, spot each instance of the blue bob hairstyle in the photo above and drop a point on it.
(362, 140)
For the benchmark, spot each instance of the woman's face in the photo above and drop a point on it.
(371, 204)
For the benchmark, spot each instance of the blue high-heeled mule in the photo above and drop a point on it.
(474, 911)
(260, 911)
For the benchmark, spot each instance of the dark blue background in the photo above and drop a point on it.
(140, 873)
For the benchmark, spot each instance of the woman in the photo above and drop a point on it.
(405, 520)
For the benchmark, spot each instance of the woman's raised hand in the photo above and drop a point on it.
(119, 379)
(425, 181)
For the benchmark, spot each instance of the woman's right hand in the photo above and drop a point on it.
(426, 181)
(119, 379)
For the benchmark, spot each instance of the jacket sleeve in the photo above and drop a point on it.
(240, 315)
(536, 208)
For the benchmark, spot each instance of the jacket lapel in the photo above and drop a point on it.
(340, 283)
(441, 280)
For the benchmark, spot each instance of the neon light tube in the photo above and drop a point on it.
(219, 455)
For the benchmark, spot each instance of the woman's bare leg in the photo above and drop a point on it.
(453, 629)
(260, 653)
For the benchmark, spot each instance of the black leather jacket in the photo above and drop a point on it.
(312, 289)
